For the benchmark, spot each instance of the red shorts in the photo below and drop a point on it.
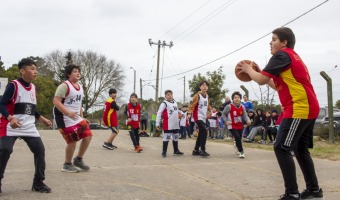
(76, 132)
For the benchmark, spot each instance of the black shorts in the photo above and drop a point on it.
(293, 132)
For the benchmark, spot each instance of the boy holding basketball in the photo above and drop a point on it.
(288, 74)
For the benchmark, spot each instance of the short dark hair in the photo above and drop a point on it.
(26, 62)
(112, 90)
(285, 33)
(236, 93)
(167, 91)
(69, 69)
(185, 106)
(219, 113)
(133, 95)
(206, 82)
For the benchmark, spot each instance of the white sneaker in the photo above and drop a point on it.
(242, 155)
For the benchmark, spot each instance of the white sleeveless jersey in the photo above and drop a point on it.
(183, 121)
(25, 103)
(73, 102)
(169, 112)
(200, 111)
(213, 120)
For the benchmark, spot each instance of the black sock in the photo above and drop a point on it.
(165, 146)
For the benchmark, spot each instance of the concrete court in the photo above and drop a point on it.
(124, 174)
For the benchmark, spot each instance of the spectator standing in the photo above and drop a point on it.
(247, 104)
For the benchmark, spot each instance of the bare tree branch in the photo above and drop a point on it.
(98, 74)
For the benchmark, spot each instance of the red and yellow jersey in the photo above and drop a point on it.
(293, 85)
(110, 114)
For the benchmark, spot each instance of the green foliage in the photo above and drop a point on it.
(11, 73)
(2, 67)
(337, 104)
(215, 91)
(45, 93)
(45, 85)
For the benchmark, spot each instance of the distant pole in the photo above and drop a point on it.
(159, 44)
(184, 91)
(134, 79)
(141, 89)
(183, 88)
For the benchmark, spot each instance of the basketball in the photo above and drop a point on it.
(243, 76)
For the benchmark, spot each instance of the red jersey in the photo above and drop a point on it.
(133, 112)
(235, 116)
(294, 87)
(110, 114)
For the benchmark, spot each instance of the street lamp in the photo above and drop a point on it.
(134, 79)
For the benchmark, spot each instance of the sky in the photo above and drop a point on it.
(220, 33)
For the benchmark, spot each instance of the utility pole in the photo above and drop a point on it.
(140, 85)
(134, 79)
(159, 44)
(184, 90)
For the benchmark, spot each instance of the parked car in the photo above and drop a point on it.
(97, 126)
(336, 115)
(324, 113)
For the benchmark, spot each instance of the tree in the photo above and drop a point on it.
(337, 104)
(98, 73)
(11, 73)
(45, 86)
(215, 79)
(2, 67)
(42, 68)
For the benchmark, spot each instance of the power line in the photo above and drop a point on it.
(185, 19)
(244, 46)
(186, 35)
(221, 8)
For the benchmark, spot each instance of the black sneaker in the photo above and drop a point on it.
(40, 186)
(290, 197)
(163, 154)
(308, 194)
(108, 145)
(80, 164)
(196, 152)
(204, 154)
(178, 153)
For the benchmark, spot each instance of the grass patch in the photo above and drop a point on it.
(322, 149)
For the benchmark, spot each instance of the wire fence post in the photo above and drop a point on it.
(330, 105)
